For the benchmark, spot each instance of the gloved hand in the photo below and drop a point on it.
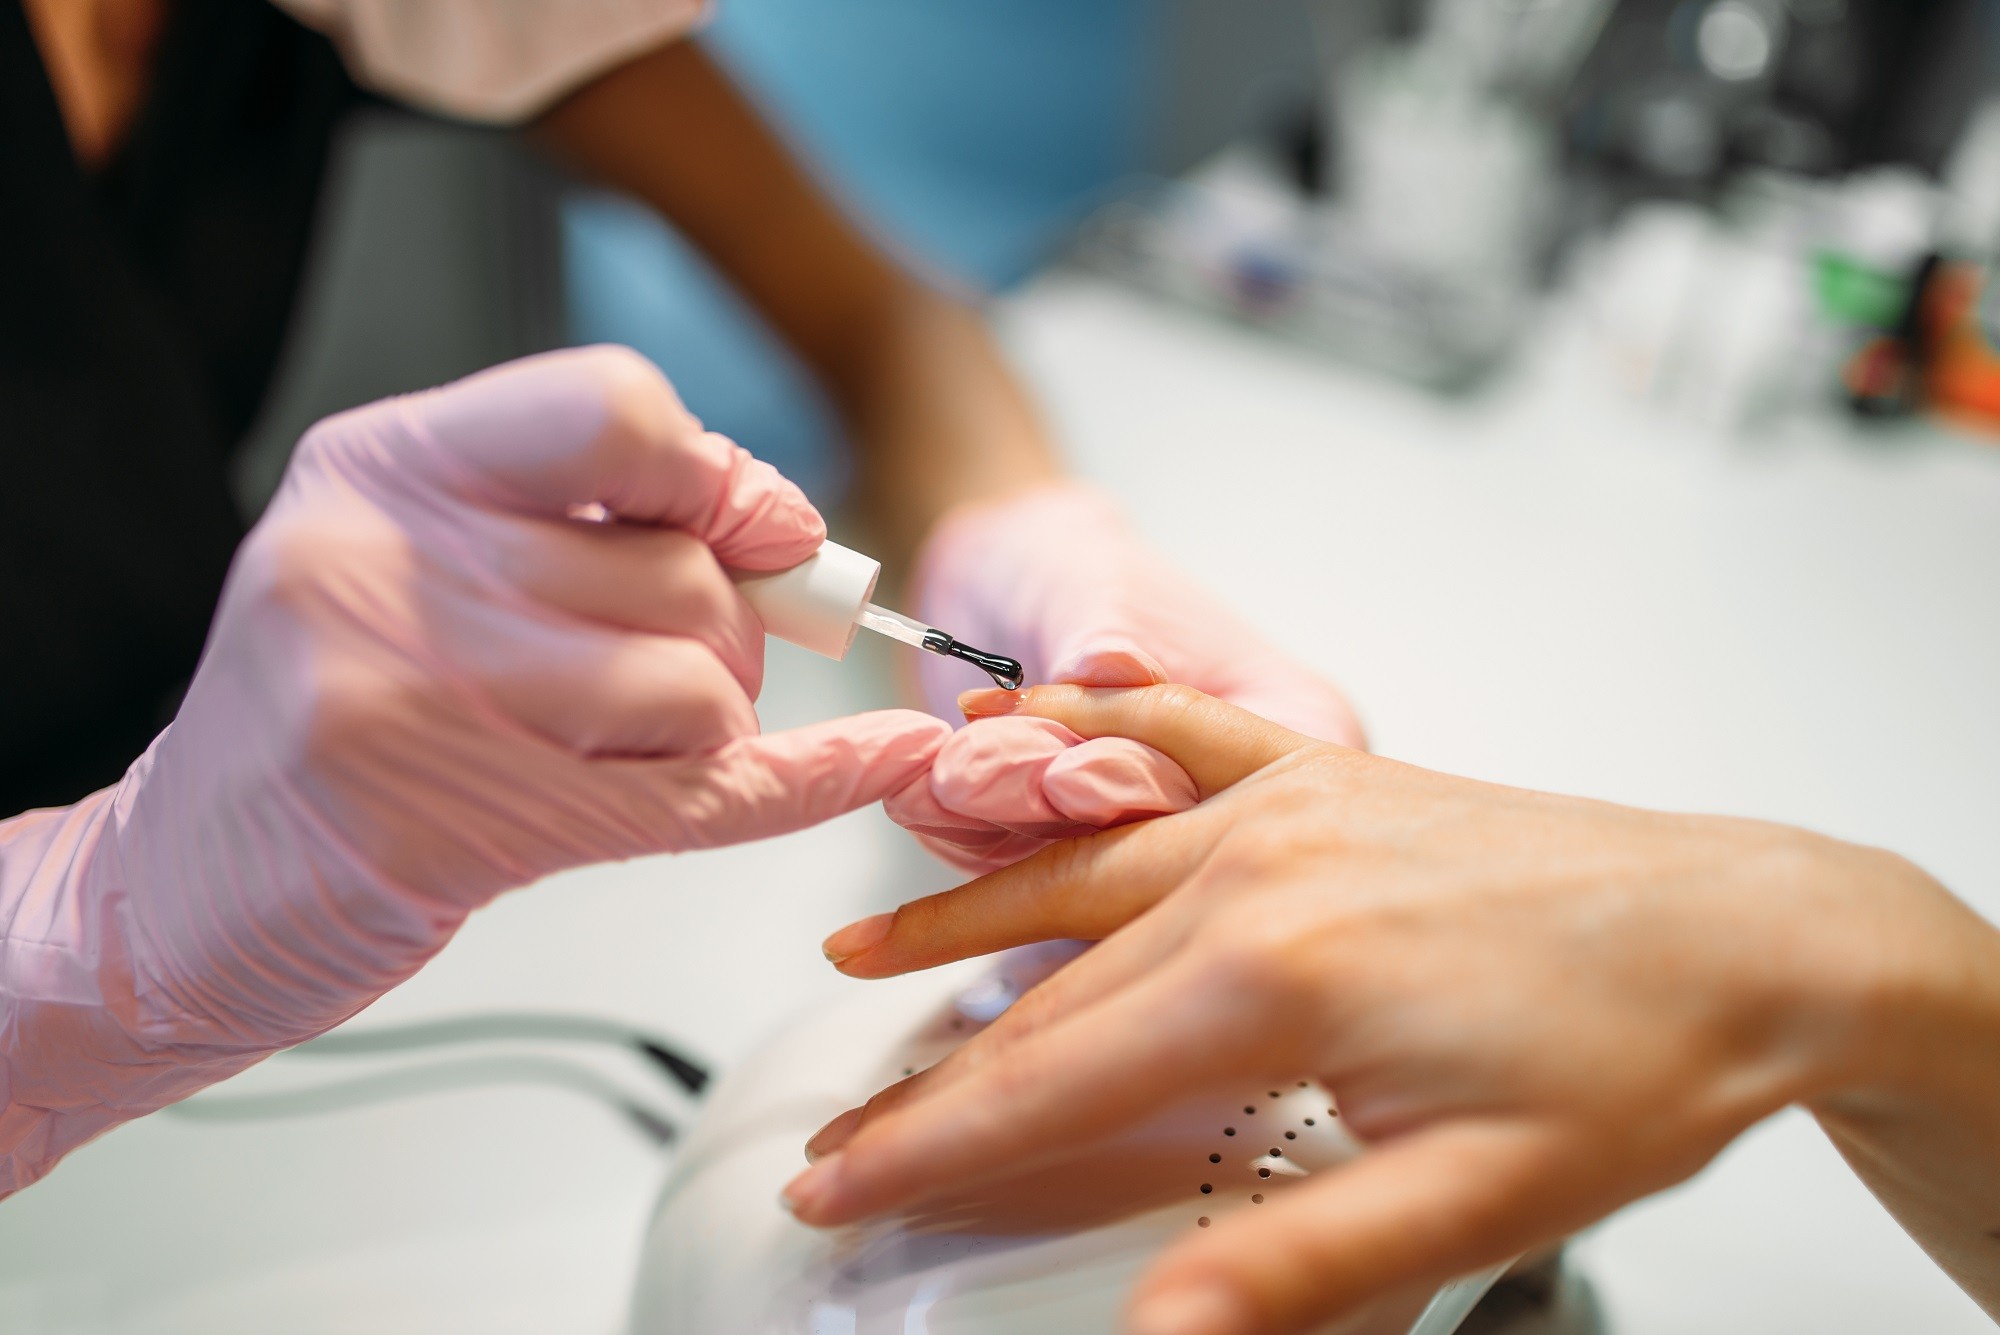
(1055, 578)
(428, 681)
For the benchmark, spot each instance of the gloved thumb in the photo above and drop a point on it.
(601, 426)
(1107, 660)
(775, 783)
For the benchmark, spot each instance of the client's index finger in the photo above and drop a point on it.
(1082, 889)
(1215, 742)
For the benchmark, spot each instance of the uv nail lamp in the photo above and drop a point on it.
(1052, 1250)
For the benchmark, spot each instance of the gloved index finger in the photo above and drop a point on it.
(1216, 743)
(602, 427)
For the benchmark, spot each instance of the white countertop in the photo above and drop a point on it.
(1547, 585)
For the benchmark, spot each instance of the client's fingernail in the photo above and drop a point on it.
(989, 703)
(856, 937)
(1189, 1311)
(833, 1135)
(805, 1194)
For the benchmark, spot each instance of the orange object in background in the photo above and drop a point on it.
(1959, 323)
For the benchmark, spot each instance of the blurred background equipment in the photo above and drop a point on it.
(1746, 195)
(1738, 197)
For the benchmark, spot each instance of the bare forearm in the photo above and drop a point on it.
(1940, 1177)
(940, 422)
(935, 415)
(1921, 1125)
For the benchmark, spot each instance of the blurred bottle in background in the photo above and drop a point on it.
(1760, 207)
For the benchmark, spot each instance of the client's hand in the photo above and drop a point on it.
(1057, 578)
(1533, 1009)
(430, 679)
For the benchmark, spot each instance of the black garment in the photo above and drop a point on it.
(141, 314)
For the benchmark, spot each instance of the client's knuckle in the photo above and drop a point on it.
(1252, 959)
(1243, 861)
(1020, 1078)
(1171, 703)
(1058, 871)
(924, 919)
(1237, 964)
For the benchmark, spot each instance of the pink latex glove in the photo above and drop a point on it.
(1055, 578)
(426, 684)
(1001, 788)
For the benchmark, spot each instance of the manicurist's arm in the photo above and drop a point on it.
(936, 418)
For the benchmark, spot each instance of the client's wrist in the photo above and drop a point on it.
(1910, 988)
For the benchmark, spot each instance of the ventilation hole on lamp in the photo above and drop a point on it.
(909, 1071)
(1309, 1121)
(1207, 1187)
(1333, 1112)
(1274, 1094)
(1203, 1221)
(1250, 1108)
(1215, 1158)
(1257, 1199)
(1291, 1135)
(1228, 1130)
(1302, 1084)
(1263, 1172)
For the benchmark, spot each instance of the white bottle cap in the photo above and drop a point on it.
(814, 604)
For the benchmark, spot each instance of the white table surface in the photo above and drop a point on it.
(1547, 585)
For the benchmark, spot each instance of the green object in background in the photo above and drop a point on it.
(1857, 294)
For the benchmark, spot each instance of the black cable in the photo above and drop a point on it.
(510, 1026)
(694, 1078)
(407, 1082)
